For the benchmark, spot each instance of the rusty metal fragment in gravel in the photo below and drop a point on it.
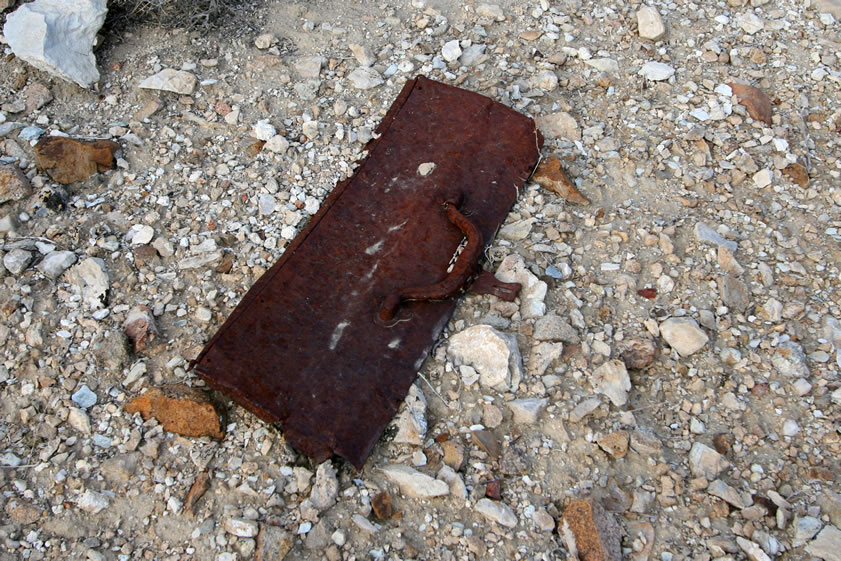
(328, 341)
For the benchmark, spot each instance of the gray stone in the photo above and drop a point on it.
(414, 483)
(411, 423)
(273, 543)
(584, 408)
(656, 71)
(735, 293)
(752, 550)
(609, 65)
(492, 11)
(552, 328)
(706, 462)
(326, 487)
(559, 125)
(201, 260)
(497, 511)
(84, 397)
(650, 24)
(527, 411)
(612, 380)
(264, 130)
(790, 360)
(826, 545)
(728, 494)
(494, 355)
(705, 234)
(828, 7)
(91, 280)
(142, 234)
(14, 185)
(365, 78)
(309, 67)
(683, 335)
(17, 260)
(473, 55)
(93, 502)
(57, 36)
(171, 80)
(56, 262)
(364, 55)
(805, 528)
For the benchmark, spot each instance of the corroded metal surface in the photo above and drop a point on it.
(308, 346)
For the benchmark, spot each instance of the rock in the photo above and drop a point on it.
(638, 353)
(264, 41)
(17, 260)
(641, 536)
(451, 50)
(543, 520)
(201, 260)
(264, 130)
(494, 355)
(411, 423)
(414, 483)
(310, 129)
(828, 7)
(326, 487)
(728, 494)
(526, 411)
(58, 37)
(22, 513)
(363, 55)
(532, 291)
(56, 262)
(449, 476)
(584, 408)
(84, 397)
(790, 428)
(93, 502)
(518, 230)
(705, 234)
(650, 24)
(589, 532)
(37, 95)
(750, 22)
(612, 380)
(683, 335)
(826, 544)
(14, 185)
(365, 78)
(734, 293)
(141, 234)
(551, 175)
(381, 505)
(759, 105)
(79, 420)
(728, 262)
(309, 67)
(790, 360)
(140, 327)
(487, 441)
(497, 511)
(273, 543)
(559, 125)
(179, 409)
(91, 280)
(277, 144)
(552, 328)
(473, 55)
(805, 528)
(67, 160)
(171, 80)
(365, 525)
(706, 462)
(752, 550)
(615, 443)
(199, 487)
(241, 528)
(453, 454)
(492, 11)
(763, 178)
(656, 71)
(797, 173)
(608, 65)
(545, 80)
(542, 355)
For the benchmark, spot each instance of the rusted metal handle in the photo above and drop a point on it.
(462, 269)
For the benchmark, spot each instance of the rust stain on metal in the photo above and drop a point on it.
(329, 340)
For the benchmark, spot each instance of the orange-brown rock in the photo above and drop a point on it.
(200, 485)
(615, 443)
(70, 159)
(590, 532)
(797, 173)
(381, 504)
(758, 104)
(179, 409)
(551, 175)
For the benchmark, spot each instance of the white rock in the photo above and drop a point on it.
(499, 512)
(826, 545)
(527, 411)
(603, 64)
(451, 50)
(559, 125)
(545, 80)
(725, 492)
(91, 280)
(790, 428)
(650, 24)
(656, 71)
(364, 55)
(264, 130)
(17, 260)
(752, 550)
(264, 41)
(426, 168)
(326, 487)
(310, 129)
(365, 525)
(532, 291)
(683, 335)
(414, 483)
(79, 420)
(56, 262)
(277, 144)
(518, 230)
(492, 11)
(411, 423)
(449, 476)
(706, 462)
(57, 36)
(790, 360)
(171, 80)
(612, 380)
(473, 55)
(763, 178)
(805, 528)
(93, 502)
(365, 78)
(143, 234)
(309, 67)
(542, 355)
(750, 23)
(241, 528)
(494, 355)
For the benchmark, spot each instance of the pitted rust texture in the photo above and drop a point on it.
(306, 347)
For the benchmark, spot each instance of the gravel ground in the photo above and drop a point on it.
(678, 335)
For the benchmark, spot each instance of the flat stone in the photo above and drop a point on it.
(543, 520)
(79, 420)
(728, 494)
(492, 11)
(84, 397)
(14, 186)
(414, 483)
(365, 78)
(609, 65)
(277, 144)
(171, 80)
(589, 532)
(542, 355)
(527, 411)
(241, 528)
(752, 550)
(56, 262)
(656, 71)
(533, 290)
(17, 260)
(67, 160)
(705, 234)
(650, 24)
(273, 543)
(615, 443)
(180, 409)
(790, 360)
(683, 335)
(706, 462)
(142, 234)
(449, 476)
(91, 280)
(584, 408)
(805, 528)
(734, 292)
(828, 7)
(518, 230)
(497, 511)
(763, 178)
(309, 67)
(494, 355)
(473, 55)
(58, 37)
(826, 545)
(552, 327)
(559, 125)
(325, 490)
(363, 54)
(612, 380)
(451, 50)
(750, 22)
(93, 502)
